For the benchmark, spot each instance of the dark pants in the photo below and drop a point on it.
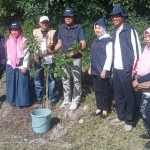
(145, 111)
(101, 88)
(124, 97)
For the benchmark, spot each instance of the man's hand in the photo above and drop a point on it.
(49, 46)
(50, 52)
(103, 74)
(53, 58)
(36, 56)
(23, 70)
(70, 55)
(89, 71)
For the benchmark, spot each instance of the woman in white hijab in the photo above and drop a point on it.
(100, 68)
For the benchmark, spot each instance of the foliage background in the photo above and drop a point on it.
(27, 12)
(100, 135)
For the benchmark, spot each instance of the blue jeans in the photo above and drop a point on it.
(39, 84)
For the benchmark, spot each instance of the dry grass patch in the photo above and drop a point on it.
(98, 134)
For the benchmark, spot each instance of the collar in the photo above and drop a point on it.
(120, 28)
(104, 36)
(123, 27)
(74, 26)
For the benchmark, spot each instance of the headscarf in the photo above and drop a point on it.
(144, 64)
(15, 48)
(103, 23)
(147, 31)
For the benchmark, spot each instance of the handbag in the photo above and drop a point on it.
(144, 87)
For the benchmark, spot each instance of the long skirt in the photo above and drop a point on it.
(17, 87)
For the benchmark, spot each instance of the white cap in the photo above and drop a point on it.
(44, 18)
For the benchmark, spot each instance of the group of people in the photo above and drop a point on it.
(119, 55)
(16, 53)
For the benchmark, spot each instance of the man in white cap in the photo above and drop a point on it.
(46, 38)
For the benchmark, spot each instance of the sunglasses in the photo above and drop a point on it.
(45, 22)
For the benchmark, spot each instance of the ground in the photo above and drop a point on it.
(90, 134)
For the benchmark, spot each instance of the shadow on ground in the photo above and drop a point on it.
(54, 121)
(2, 99)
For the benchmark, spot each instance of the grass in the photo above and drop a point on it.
(94, 134)
(98, 134)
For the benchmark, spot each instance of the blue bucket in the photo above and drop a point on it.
(41, 120)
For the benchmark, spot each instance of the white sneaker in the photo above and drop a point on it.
(73, 106)
(128, 128)
(65, 103)
(116, 121)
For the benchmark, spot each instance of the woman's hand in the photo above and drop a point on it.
(103, 74)
(135, 83)
(134, 72)
(89, 71)
(23, 70)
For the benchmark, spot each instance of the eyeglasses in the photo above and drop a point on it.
(45, 22)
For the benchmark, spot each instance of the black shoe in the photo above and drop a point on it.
(52, 104)
(147, 145)
(19, 107)
(96, 114)
(39, 102)
(103, 116)
(145, 136)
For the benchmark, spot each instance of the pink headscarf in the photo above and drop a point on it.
(144, 64)
(15, 49)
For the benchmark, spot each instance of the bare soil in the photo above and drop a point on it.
(16, 126)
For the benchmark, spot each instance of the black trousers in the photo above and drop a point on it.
(145, 111)
(124, 97)
(101, 88)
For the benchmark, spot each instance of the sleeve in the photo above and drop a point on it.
(136, 47)
(81, 34)
(58, 35)
(26, 57)
(3, 52)
(55, 40)
(109, 57)
(52, 34)
(34, 32)
(144, 78)
(3, 47)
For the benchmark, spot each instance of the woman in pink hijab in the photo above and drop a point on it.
(143, 76)
(17, 73)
